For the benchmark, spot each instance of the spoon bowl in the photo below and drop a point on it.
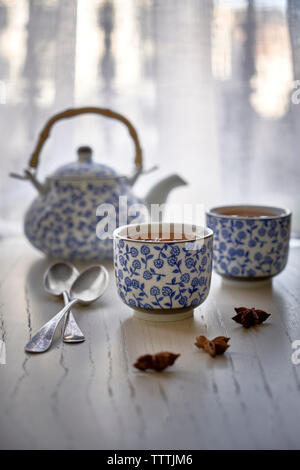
(90, 284)
(59, 277)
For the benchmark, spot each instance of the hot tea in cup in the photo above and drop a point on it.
(163, 237)
(250, 242)
(163, 271)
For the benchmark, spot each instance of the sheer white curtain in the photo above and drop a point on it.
(207, 84)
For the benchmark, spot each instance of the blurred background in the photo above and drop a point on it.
(207, 84)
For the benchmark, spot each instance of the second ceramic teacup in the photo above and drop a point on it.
(160, 275)
(250, 242)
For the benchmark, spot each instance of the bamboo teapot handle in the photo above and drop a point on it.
(68, 113)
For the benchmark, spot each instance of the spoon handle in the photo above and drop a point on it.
(42, 340)
(72, 332)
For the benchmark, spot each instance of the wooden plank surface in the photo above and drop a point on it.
(90, 396)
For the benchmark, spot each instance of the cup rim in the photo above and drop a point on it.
(282, 212)
(116, 233)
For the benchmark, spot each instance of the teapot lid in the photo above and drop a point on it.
(84, 168)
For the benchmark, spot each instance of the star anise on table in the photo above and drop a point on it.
(213, 347)
(250, 316)
(157, 361)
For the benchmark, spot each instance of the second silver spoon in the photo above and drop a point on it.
(58, 281)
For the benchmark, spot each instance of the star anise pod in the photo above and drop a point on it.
(213, 347)
(250, 316)
(157, 361)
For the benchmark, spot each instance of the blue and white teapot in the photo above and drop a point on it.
(62, 220)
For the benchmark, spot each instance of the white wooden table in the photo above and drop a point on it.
(90, 396)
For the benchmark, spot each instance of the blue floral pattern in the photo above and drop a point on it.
(89, 170)
(62, 223)
(249, 248)
(163, 275)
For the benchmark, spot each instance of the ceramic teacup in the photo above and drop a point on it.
(250, 242)
(163, 277)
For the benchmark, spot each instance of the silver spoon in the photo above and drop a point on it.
(58, 281)
(88, 287)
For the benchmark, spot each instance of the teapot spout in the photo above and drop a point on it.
(160, 191)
